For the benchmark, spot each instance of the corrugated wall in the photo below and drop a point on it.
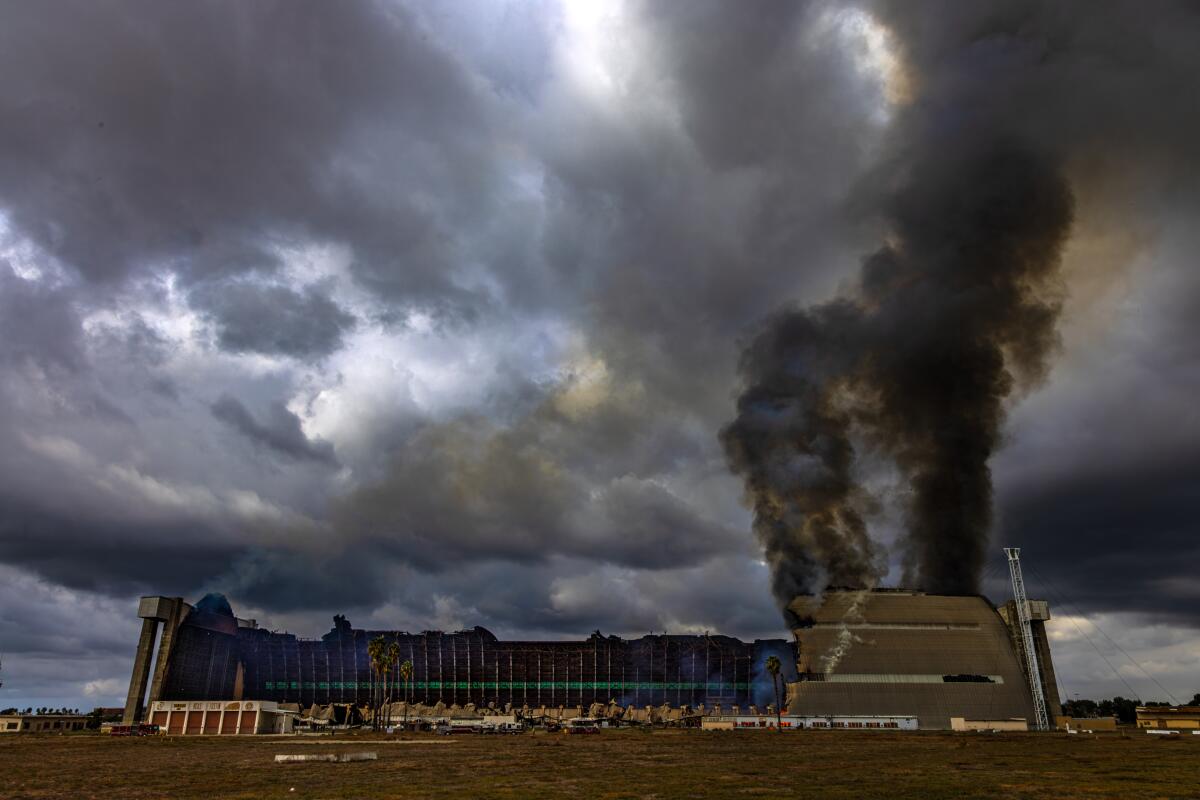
(474, 667)
(929, 656)
(203, 665)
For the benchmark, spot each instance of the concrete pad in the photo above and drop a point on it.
(326, 757)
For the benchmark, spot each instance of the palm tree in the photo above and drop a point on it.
(406, 670)
(393, 660)
(773, 667)
(377, 652)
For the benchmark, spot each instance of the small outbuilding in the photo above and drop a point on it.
(1169, 717)
(220, 717)
(1012, 724)
(743, 722)
(42, 723)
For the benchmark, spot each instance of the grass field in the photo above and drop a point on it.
(615, 764)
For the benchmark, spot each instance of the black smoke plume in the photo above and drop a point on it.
(954, 313)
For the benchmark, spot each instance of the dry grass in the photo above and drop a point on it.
(615, 764)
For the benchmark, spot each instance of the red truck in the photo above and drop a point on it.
(144, 729)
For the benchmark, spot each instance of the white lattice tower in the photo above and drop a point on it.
(1041, 722)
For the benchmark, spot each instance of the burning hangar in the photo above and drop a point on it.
(935, 657)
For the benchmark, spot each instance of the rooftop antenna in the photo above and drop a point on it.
(1031, 663)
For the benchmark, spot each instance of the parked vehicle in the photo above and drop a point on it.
(582, 725)
(144, 729)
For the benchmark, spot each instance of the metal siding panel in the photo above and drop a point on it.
(985, 649)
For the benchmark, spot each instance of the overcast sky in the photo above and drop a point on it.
(430, 313)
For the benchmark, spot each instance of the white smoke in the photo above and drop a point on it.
(846, 637)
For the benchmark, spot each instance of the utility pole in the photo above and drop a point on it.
(1041, 722)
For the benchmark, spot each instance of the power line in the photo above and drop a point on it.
(1120, 677)
(1113, 642)
(1061, 600)
(1072, 608)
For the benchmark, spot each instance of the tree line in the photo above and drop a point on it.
(1124, 709)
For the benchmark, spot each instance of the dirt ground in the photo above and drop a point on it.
(614, 764)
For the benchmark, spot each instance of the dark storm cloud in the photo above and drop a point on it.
(37, 324)
(201, 136)
(281, 432)
(560, 597)
(275, 320)
(220, 147)
(710, 49)
(66, 629)
(286, 581)
(1107, 538)
(113, 556)
(677, 239)
(468, 490)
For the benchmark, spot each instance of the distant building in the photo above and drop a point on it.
(42, 723)
(1169, 717)
(741, 722)
(961, 724)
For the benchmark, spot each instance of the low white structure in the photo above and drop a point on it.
(1014, 724)
(790, 722)
(219, 717)
(333, 758)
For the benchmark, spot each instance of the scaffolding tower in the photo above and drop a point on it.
(1041, 721)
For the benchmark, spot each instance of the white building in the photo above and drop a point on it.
(219, 717)
(791, 722)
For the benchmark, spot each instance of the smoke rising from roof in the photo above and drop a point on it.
(950, 317)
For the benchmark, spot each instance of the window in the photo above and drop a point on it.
(968, 678)
(12, 726)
